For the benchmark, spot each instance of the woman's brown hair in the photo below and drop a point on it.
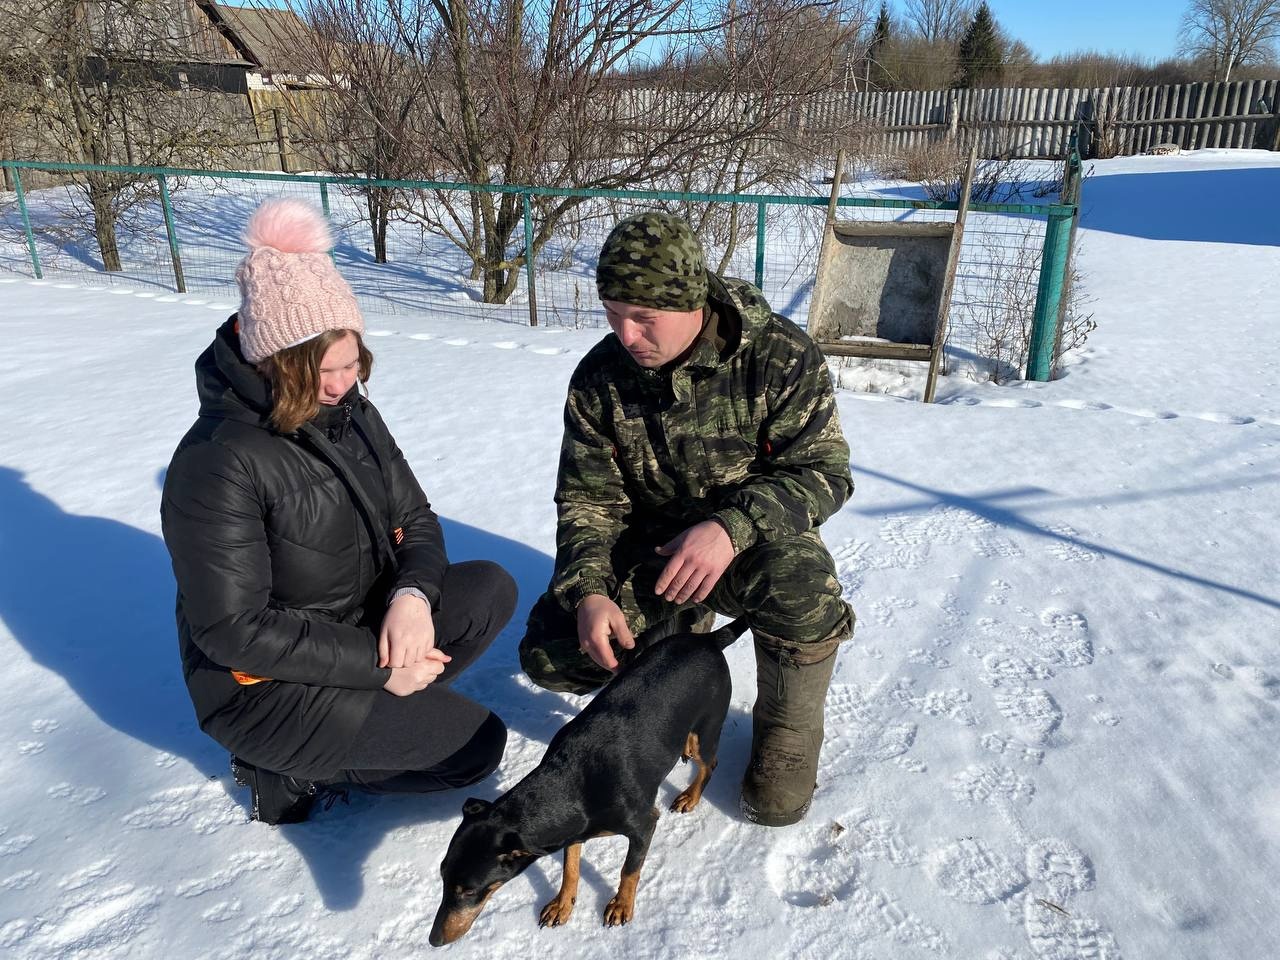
(294, 374)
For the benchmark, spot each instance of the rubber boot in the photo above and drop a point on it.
(786, 735)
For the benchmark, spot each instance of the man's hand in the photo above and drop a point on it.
(698, 558)
(599, 618)
(416, 676)
(408, 633)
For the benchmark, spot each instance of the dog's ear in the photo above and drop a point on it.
(514, 848)
(473, 807)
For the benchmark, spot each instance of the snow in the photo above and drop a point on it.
(1051, 737)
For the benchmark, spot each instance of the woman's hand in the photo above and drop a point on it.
(416, 676)
(408, 633)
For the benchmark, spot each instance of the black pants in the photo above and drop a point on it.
(436, 739)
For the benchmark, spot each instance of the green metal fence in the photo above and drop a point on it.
(184, 236)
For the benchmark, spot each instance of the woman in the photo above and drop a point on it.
(319, 618)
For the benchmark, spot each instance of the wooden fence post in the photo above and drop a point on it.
(282, 138)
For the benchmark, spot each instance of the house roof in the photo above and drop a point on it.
(266, 36)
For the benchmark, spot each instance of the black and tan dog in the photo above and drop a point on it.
(599, 776)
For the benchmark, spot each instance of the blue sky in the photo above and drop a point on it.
(1148, 28)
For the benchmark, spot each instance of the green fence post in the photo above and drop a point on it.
(1053, 278)
(324, 205)
(174, 255)
(528, 262)
(760, 211)
(26, 223)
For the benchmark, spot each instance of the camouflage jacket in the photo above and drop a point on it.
(745, 431)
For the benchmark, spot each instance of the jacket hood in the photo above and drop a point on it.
(228, 386)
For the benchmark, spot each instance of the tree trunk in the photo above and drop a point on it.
(104, 223)
(379, 213)
(475, 252)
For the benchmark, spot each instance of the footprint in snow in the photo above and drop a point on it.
(98, 923)
(87, 875)
(1228, 418)
(968, 871)
(82, 797)
(1009, 748)
(20, 880)
(457, 341)
(1013, 403)
(1061, 866)
(820, 867)
(1084, 405)
(1056, 934)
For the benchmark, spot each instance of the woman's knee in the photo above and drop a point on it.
(486, 584)
(482, 754)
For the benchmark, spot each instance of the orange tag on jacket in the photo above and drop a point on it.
(247, 679)
(398, 533)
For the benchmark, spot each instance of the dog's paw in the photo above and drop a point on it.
(556, 912)
(686, 800)
(619, 911)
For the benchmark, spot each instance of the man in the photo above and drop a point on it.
(701, 451)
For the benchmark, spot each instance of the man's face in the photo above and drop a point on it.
(653, 337)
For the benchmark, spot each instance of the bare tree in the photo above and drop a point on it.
(359, 111)
(543, 92)
(102, 82)
(939, 20)
(1229, 33)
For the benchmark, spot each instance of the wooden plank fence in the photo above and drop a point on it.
(1007, 122)
(1038, 122)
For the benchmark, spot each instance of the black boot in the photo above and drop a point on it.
(276, 797)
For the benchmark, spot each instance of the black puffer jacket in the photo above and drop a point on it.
(285, 549)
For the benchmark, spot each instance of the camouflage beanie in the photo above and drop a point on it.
(653, 260)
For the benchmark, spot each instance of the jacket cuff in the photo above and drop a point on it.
(742, 532)
(583, 588)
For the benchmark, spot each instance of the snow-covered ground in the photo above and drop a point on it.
(1052, 737)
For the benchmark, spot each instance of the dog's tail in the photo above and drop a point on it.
(728, 633)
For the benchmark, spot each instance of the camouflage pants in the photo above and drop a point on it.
(786, 588)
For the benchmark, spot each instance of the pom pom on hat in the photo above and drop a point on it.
(290, 291)
(290, 226)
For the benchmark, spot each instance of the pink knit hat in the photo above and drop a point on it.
(290, 290)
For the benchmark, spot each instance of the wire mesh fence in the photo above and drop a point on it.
(771, 240)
